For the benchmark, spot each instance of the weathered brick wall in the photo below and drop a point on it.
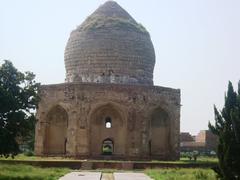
(110, 47)
(134, 105)
(186, 137)
(109, 62)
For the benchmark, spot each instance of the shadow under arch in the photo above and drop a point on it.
(56, 131)
(159, 138)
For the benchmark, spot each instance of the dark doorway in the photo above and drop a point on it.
(150, 147)
(107, 147)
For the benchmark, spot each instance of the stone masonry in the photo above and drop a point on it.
(108, 108)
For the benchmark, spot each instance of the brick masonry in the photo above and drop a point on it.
(109, 79)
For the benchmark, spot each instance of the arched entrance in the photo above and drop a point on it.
(107, 131)
(159, 133)
(56, 131)
(107, 147)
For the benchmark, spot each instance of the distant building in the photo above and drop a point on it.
(205, 141)
(186, 137)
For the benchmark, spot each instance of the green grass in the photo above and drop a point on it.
(201, 159)
(24, 157)
(27, 172)
(181, 174)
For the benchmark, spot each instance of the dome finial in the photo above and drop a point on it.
(111, 9)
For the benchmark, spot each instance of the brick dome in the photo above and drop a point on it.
(110, 47)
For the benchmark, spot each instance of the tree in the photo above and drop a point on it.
(18, 100)
(227, 128)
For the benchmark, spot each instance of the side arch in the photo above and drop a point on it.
(56, 131)
(159, 140)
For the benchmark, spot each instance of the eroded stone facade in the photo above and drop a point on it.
(145, 120)
(108, 107)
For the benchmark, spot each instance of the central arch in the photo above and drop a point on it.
(107, 129)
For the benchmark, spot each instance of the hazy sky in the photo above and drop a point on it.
(197, 44)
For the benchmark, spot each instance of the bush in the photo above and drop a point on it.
(28, 153)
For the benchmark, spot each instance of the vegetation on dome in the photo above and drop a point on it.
(98, 22)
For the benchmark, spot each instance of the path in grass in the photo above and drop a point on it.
(107, 176)
(85, 175)
(130, 176)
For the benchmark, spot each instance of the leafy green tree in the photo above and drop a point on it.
(18, 101)
(227, 128)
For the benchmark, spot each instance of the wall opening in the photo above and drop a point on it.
(107, 147)
(150, 147)
(108, 122)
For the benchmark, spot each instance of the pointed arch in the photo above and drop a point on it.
(159, 132)
(56, 131)
(107, 123)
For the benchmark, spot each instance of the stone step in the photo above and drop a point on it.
(86, 165)
(82, 176)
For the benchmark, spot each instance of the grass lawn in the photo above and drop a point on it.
(181, 174)
(201, 159)
(24, 157)
(26, 172)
